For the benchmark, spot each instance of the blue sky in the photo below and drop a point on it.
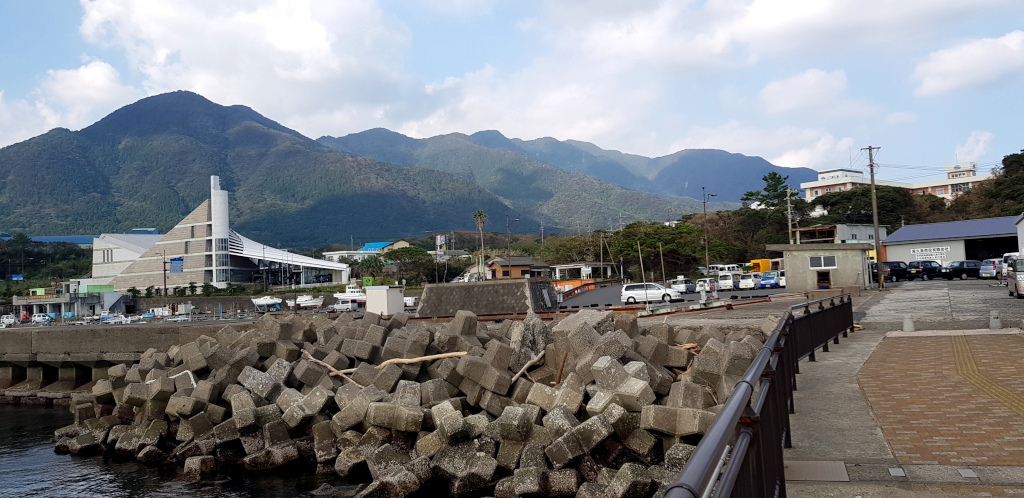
(799, 82)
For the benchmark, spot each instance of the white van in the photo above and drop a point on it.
(728, 281)
(41, 319)
(1006, 260)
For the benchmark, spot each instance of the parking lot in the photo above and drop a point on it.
(938, 301)
(609, 296)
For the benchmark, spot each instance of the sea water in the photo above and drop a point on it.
(29, 467)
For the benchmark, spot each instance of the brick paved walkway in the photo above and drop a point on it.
(949, 399)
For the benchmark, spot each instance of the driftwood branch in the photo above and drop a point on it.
(527, 365)
(333, 371)
(406, 361)
(561, 367)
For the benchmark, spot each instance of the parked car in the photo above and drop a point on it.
(769, 279)
(961, 269)
(702, 270)
(41, 319)
(1015, 277)
(991, 268)
(896, 270)
(633, 293)
(750, 281)
(705, 284)
(728, 281)
(683, 285)
(924, 270)
(9, 320)
(781, 279)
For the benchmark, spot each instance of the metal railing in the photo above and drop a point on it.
(750, 434)
(589, 286)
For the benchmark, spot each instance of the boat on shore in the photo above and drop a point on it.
(264, 303)
(306, 301)
(353, 292)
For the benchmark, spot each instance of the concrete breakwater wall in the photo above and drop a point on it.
(467, 406)
(46, 364)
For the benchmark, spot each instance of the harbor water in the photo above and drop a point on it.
(29, 467)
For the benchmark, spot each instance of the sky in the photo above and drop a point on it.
(801, 83)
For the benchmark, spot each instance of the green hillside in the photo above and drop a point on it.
(149, 163)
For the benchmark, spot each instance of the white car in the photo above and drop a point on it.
(706, 285)
(781, 278)
(9, 320)
(635, 293)
(750, 281)
(41, 319)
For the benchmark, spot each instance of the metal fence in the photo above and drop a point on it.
(741, 453)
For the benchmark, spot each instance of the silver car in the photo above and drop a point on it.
(1015, 277)
(683, 285)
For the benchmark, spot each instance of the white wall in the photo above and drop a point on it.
(906, 252)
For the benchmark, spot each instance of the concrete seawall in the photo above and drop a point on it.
(51, 362)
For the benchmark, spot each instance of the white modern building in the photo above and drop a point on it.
(203, 249)
(960, 177)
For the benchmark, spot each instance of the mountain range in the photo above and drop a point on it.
(148, 163)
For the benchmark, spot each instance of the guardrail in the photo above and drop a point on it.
(593, 285)
(741, 453)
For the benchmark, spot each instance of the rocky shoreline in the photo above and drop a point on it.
(592, 405)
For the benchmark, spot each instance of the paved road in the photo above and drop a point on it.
(609, 296)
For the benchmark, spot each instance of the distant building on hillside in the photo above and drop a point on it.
(516, 267)
(370, 249)
(960, 177)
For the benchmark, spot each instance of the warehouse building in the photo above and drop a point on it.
(953, 240)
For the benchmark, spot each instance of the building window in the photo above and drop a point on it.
(828, 190)
(853, 236)
(107, 255)
(193, 232)
(940, 191)
(839, 189)
(817, 192)
(209, 245)
(222, 275)
(209, 261)
(823, 262)
(222, 262)
(187, 246)
(504, 273)
(959, 187)
(222, 245)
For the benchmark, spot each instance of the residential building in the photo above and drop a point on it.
(838, 234)
(516, 267)
(960, 177)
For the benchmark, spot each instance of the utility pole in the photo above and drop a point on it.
(874, 214)
(789, 213)
(707, 258)
(542, 234)
(163, 256)
(664, 280)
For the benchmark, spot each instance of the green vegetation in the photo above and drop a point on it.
(42, 265)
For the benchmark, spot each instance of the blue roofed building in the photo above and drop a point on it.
(369, 249)
(953, 240)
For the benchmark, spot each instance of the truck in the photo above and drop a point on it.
(761, 265)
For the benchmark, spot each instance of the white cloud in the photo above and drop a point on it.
(971, 63)
(813, 88)
(789, 146)
(901, 117)
(459, 7)
(81, 96)
(975, 147)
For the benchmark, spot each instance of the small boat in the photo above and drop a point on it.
(306, 301)
(263, 303)
(352, 293)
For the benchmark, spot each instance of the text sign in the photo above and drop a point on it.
(17, 276)
(177, 265)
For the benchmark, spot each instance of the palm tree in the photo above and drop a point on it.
(481, 219)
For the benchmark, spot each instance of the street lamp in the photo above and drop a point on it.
(707, 258)
(508, 249)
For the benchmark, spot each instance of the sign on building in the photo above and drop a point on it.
(17, 276)
(177, 265)
(930, 253)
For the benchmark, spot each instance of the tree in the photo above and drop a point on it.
(192, 288)
(773, 195)
(208, 289)
(480, 219)
(372, 266)
(412, 262)
(134, 292)
(149, 291)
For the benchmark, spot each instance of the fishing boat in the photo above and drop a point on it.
(264, 303)
(352, 293)
(306, 301)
